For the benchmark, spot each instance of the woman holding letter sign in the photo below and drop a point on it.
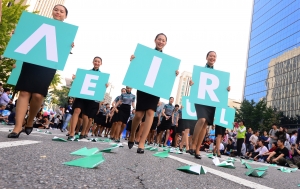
(88, 108)
(33, 84)
(205, 114)
(146, 104)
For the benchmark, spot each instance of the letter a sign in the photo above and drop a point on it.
(89, 84)
(152, 72)
(41, 41)
(210, 87)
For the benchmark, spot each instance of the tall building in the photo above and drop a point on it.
(273, 57)
(183, 86)
(107, 98)
(43, 7)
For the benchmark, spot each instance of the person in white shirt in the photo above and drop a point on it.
(294, 137)
(253, 139)
(262, 150)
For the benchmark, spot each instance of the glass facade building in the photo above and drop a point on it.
(273, 66)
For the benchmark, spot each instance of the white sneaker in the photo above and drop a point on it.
(173, 150)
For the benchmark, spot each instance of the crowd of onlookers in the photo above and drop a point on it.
(276, 146)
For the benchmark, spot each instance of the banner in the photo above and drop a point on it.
(41, 41)
(152, 72)
(225, 117)
(15, 73)
(89, 84)
(188, 111)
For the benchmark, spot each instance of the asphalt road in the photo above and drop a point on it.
(35, 161)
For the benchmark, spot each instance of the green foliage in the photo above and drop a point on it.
(60, 97)
(9, 20)
(257, 115)
(55, 81)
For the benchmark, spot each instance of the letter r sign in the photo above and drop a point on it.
(210, 87)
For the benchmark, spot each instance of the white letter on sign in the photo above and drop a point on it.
(203, 87)
(153, 71)
(44, 30)
(87, 83)
(222, 118)
(188, 109)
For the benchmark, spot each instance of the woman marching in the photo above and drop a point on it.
(32, 88)
(98, 120)
(126, 100)
(157, 115)
(205, 114)
(88, 108)
(67, 114)
(146, 104)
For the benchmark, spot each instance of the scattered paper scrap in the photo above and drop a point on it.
(255, 173)
(262, 168)
(147, 147)
(287, 170)
(273, 165)
(193, 169)
(154, 149)
(85, 151)
(48, 132)
(210, 156)
(117, 145)
(109, 150)
(247, 166)
(43, 156)
(163, 154)
(55, 138)
(87, 162)
(217, 163)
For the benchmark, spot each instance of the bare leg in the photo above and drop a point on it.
(35, 105)
(74, 121)
(117, 130)
(135, 123)
(218, 142)
(147, 125)
(167, 137)
(122, 129)
(21, 110)
(198, 128)
(112, 131)
(200, 138)
(139, 134)
(84, 124)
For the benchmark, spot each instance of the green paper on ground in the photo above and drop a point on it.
(85, 152)
(273, 165)
(250, 161)
(242, 162)
(255, 173)
(164, 154)
(87, 162)
(147, 147)
(10, 130)
(232, 160)
(262, 168)
(94, 140)
(247, 166)
(76, 136)
(298, 185)
(210, 156)
(117, 145)
(193, 169)
(106, 140)
(178, 152)
(166, 149)
(154, 149)
(59, 139)
(287, 170)
(38, 130)
(225, 164)
(48, 132)
(109, 150)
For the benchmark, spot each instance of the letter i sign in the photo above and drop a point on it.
(41, 41)
(152, 72)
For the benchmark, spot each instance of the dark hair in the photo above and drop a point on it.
(274, 124)
(97, 57)
(275, 143)
(0, 84)
(294, 132)
(209, 53)
(123, 88)
(6, 89)
(171, 97)
(243, 122)
(161, 34)
(230, 139)
(64, 8)
(176, 105)
(281, 140)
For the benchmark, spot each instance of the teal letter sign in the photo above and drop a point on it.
(152, 72)
(188, 111)
(42, 41)
(210, 87)
(89, 84)
(15, 73)
(224, 117)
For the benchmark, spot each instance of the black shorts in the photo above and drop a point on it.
(124, 113)
(98, 118)
(181, 126)
(220, 130)
(87, 107)
(115, 117)
(206, 112)
(154, 124)
(103, 121)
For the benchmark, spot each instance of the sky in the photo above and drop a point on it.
(112, 29)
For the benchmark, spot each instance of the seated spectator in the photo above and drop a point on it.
(265, 138)
(205, 145)
(11, 118)
(294, 137)
(295, 152)
(10, 106)
(281, 155)
(4, 99)
(230, 147)
(262, 150)
(4, 113)
(253, 141)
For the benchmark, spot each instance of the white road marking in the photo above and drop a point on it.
(17, 143)
(226, 176)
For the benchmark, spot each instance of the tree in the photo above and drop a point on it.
(10, 17)
(60, 97)
(55, 81)
(258, 115)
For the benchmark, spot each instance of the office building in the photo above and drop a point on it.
(43, 7)
(183, 86)
(273, 56)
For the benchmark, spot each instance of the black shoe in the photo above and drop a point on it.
(61, 130)
(28, 130)
(130, 144)
(180, 150)
(67, 134)
(187, 151)
(81, 136)
(198, 156)
(192, 152)
(140, 151)
(137, 143)
(70, 138)
(76, 133)
(14, 135)
(219, 156)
